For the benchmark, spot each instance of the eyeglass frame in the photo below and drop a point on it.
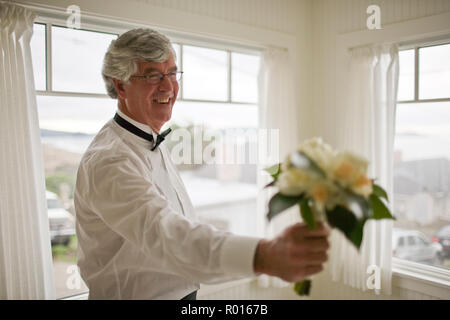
(161, 76)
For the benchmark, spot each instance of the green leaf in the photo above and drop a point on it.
(274, 170)
(360, 201)
(279, 202)
(341, 218)
(379, 192)
(344, 220)
(379, 209)
(356, 236)
(307, 214)
(303, 287)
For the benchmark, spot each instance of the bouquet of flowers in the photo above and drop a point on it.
(330, 186)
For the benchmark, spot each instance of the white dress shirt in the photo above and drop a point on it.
(138, 237)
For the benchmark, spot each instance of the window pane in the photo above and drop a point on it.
(244, 79)
(434, 68)
(205, 74)
(215, 115)
(223, 194)
(422, 181)
(77, 59)
(38, 55)
(75, 114)
(406, 76)
(423, 131)
(68, 126)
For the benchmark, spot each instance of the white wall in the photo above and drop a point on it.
(275, 15)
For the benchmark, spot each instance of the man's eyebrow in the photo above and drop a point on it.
(153, 69)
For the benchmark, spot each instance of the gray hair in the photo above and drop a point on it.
(121, 59)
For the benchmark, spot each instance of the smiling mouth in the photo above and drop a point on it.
(162, 101)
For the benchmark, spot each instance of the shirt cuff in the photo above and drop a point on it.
(237, 255)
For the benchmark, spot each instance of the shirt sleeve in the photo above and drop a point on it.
(128, 202)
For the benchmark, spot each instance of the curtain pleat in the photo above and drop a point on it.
(367, 128)
(277, 111)
(26, 269)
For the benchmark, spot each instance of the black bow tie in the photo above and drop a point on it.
(133, 129)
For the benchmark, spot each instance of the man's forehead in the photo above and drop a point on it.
(169, 64)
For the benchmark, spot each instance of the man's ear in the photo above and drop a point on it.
(119, 87)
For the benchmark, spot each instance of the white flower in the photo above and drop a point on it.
(325, 194)
(293, 181)
(343, 170)
(350, 171)
(318, 151)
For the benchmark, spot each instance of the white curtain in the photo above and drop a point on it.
(277, 114)
(26, 270)
(367, 127)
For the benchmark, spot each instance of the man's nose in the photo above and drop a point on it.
(166, 84)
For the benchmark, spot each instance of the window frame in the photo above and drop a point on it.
(416, 47)
(50, 22)
(409, 274)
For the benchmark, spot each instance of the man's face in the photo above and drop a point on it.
(146, 103)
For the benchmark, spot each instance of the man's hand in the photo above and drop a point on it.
(295, 254)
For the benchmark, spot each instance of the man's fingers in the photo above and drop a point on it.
(310, 270)
(301, 230)
(312, 245)
(312, 258)
(316, 244)
(320, 231)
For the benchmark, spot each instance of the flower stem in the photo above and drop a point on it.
(303, 287)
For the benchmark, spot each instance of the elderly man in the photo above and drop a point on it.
(137, 233)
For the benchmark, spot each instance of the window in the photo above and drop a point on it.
(87, 49)
(206, 74)
(218, 106)
(422, 154)
(217, 102)
(71, 109)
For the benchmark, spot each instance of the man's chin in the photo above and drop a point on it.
(164, 117)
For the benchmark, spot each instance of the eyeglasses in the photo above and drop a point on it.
(156, 77)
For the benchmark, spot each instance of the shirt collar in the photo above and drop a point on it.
(141, 126)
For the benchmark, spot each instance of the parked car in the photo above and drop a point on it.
(413, 245)
(443, 238)
(62, 225)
